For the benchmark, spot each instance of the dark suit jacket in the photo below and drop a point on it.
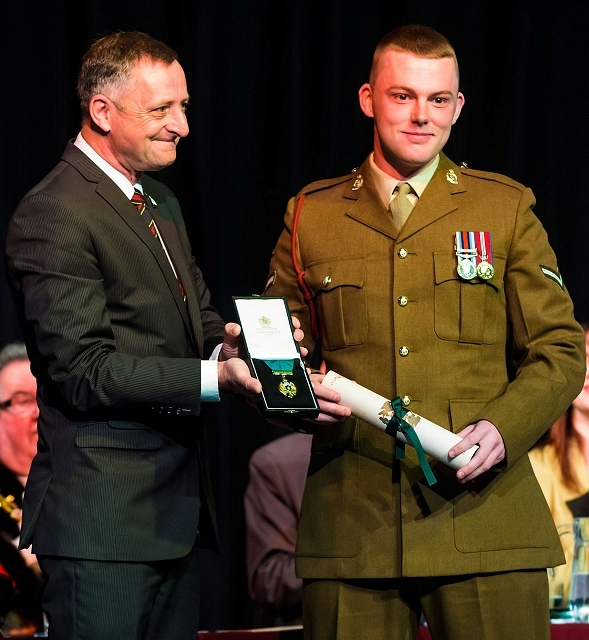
(506, 349)
(116, 353)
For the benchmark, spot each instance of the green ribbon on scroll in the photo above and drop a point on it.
(394, 423)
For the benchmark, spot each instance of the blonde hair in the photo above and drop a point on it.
(417, 39)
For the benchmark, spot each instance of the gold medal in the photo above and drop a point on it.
(284, 368)
(287, 387)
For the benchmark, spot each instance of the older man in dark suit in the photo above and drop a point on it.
(119, 327)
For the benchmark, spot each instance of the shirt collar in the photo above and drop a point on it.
(115, 175)
(385, 184)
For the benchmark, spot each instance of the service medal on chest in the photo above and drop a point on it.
(485, 270)
(466, 253)
(466, 269)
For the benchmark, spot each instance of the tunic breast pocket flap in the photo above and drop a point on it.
(338, 286)
(467, 310)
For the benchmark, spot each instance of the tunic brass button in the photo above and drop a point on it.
(326, 281)
(403, 300)
(402, 253)
(406, 400)
(403, 351)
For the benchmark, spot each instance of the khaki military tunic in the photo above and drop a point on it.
(396, 317)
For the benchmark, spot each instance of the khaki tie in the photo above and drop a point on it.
(400, 206)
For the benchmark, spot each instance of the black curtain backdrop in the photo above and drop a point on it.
(274, 106)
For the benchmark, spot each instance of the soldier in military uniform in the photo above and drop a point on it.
(434, 283)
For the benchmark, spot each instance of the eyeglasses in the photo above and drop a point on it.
(21, 404)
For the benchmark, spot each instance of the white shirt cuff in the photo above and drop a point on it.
(209, 383)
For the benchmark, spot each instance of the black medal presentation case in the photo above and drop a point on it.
(274, 356)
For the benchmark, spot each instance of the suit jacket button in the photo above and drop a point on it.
(402, 253)
(402, 301)
(326, 281)
(406, 400)
(403, 351)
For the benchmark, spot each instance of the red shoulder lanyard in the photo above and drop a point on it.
(301, 273)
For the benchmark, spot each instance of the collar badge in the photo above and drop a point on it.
(451, 177)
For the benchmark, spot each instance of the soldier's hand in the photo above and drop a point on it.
(491, 449)
(328, 400)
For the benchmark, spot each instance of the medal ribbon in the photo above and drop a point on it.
(281, 367)
(483, 245)
(394, 423)
(470, 244)
(465, 245)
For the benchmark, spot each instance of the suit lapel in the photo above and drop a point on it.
(191, 308)
(113, 195)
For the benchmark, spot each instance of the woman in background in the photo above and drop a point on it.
(561, 464)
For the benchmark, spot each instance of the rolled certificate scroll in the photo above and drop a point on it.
(377, 411)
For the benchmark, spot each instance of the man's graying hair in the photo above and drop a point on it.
(13, 352)
(107, 65)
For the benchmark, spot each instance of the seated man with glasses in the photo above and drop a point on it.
(20, 577)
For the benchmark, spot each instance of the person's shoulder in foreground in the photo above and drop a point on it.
(272, 503)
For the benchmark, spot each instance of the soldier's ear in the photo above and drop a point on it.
(459, 105)
(365, 97)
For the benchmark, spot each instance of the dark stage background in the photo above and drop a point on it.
(274, 105)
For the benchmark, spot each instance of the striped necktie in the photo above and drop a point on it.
(140, 203)
(138, 199)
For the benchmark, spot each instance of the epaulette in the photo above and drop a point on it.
(490, 176)
(321, 185)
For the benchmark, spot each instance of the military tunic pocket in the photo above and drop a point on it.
(467, 310)
(338, 287)
(499, 511)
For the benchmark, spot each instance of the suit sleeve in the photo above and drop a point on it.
(547, 346)
(60, 290)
